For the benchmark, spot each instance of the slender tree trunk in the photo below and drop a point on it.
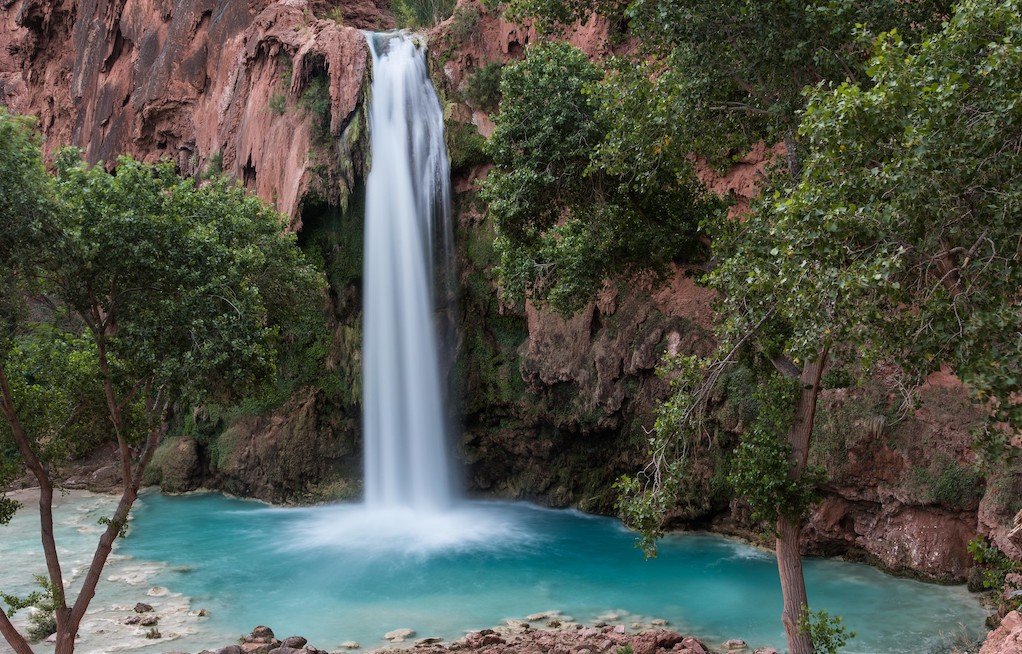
(40, 472)
(789, 530)
(66, 636)
(13, 638)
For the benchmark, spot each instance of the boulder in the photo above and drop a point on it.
(350, 644)
(142, 607)
(693, 645)
(735, 645)
(149, 621)
(262, 632)
(650, 642)
(398, 635)
(256, 648)
(1006, 639)
(231, 649)
(297, 642)
(764, 650)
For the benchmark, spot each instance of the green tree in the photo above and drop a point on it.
(899, 241)
(573, 205)
(157, 294)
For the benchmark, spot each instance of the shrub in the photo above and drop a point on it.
(466, 146)
(335, 14)
(948, 483)
(214, 166)
(316, 101)
(278, 104)
(466, 18)
(827, 632)
(482, 89)
(421, 13)
(994, 564)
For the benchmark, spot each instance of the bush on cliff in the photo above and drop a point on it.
(572, 209)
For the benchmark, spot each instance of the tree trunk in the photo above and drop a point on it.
(793, 585)
(13, 638)
(789, 529)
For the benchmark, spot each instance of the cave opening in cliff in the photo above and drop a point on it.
(332, 236)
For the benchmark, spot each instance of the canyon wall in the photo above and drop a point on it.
(552, 409)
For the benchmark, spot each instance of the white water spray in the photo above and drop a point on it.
(407, 250)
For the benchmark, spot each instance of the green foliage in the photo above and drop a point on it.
(567, 217)
(278, 104)
(827, 633)
(735, 70)
(760, 472)
(909, 177)
(214, 166)
(335, 14)
(644, 511)
(315, 100)
(58, 395)
(464, 22)
(994, 564)
(482, 88)
(949, 483)
(465, 145)
(43, 620)
(202, 281)
(421, 13)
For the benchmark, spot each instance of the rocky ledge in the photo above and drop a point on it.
(517, 637)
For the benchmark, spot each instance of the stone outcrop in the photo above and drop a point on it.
(1006, 639)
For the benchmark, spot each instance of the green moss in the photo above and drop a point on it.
(315, 100)
(466, 146)
(278, 104)
(948, 483)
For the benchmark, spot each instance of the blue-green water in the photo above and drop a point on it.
(336, 573)
(309, 571)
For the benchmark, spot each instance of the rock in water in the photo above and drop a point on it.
(398, 635)
(142, 607)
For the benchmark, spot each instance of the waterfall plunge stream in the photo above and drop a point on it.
(407, 262)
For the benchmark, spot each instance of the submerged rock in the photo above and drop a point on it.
(350, 644)
(398, 635)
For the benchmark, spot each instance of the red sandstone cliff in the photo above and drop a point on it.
(190, 80)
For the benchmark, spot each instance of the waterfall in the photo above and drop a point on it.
(407, 269)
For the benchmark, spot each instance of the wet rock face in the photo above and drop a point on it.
(191, 81)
